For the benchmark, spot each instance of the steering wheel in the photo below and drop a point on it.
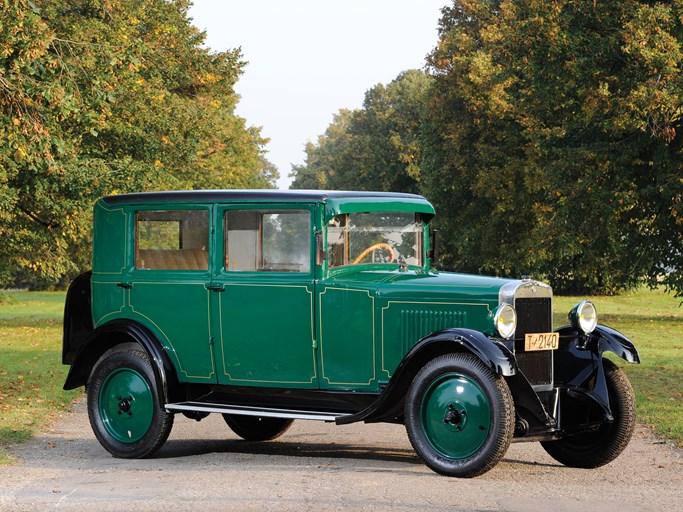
(374, 247)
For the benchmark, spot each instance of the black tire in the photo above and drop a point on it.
(257, 428)
(604, 444)
(459, 416)
(124, 408)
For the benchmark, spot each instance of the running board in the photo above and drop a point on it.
(246, 410)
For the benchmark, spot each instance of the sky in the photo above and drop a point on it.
(307, 59)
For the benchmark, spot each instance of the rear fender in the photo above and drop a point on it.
(115, 333)
(77, 316)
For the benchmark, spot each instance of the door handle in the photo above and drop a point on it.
(215, 288)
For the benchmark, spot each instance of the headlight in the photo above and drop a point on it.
(584, 317)
(505, 321)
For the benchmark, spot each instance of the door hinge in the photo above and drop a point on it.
(315, 344)
(215, 288)
(124, 285)
(211, 341)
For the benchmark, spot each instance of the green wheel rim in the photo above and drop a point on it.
(456, 416)
(126, 405)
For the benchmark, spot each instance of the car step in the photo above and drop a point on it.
(246, 410)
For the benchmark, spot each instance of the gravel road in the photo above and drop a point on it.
(319, 467)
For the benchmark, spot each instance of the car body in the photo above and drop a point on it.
(269, 306)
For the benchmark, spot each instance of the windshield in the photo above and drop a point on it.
(377, 237)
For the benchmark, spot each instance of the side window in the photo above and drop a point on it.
(268, 240)
(172, 240)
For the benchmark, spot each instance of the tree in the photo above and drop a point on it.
(372, 148)
(324, 157)
(105, 96)
(554, 140)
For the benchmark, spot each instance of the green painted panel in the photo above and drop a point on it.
(179, 313)
(347, 341)
(110, 240)
(404, 323)
(266, 334)
(108, 301)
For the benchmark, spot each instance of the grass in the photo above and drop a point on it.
(31, 373)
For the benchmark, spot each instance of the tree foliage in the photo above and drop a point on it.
(372, 148)
(555, 140)
(548, 135)
(106, 96)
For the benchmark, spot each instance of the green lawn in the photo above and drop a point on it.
(31, 373)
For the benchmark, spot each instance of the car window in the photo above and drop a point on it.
(172, 240)
(375, 237)
(268, 240)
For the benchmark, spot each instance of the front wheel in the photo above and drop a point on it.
(459, 416)
(123, 404)
(257, 428)
(604, 444)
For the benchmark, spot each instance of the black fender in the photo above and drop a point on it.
(579, 370)
(114, 333)
(77, 316)
(389, 405)
(612, 340)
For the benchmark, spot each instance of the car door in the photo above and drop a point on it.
(263, 296)
(167, 284)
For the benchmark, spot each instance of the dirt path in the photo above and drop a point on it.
(320, 467)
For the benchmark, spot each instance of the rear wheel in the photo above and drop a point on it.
(604, 444)
(459, 416)
(124, 408)
(257, 428)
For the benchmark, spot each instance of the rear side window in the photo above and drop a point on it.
(172, 240)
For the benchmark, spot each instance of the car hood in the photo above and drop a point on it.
(425, 286)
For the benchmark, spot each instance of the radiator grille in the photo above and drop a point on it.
(417, 323)
(534, 315)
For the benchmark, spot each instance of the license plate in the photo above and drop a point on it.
(541, 341)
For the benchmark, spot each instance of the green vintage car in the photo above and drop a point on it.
(270, 306)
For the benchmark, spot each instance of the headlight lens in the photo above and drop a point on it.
(505, 321)
(584, 316)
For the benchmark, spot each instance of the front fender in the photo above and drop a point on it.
(578, 361)
(602, 339)
(493, 353)
(612, 340)
(389, 405)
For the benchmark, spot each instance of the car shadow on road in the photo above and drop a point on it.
(283, 448)
(531, 463)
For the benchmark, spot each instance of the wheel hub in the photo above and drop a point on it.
(124, 405)
(456, 415)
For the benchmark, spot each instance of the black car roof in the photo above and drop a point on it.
(251, 195)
